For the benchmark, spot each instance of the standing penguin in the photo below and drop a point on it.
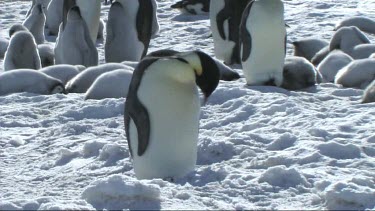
(22, 52)
(162, 112)
(129, 30)
(54, 16)
(90, 12)
(263, 42)
(74, 45)
(35, 23)
(225, 18)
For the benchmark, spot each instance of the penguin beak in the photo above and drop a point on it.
(207, 74)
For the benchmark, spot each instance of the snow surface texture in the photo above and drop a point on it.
(259, 147)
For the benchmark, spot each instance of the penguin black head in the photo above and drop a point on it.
(58, 88)
(16, 28)
(39, 8)
(74, 13)
(206, 70)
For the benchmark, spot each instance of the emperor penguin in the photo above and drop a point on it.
(35, 23)
(353, 42)
(22, 52)
(225, 19)
(129, 30)
(16, 28)
(194, 7)
(162, 113)
(54, 16)
(44, 4)
(332, 64)
(364, 24)
(62, 72)
(3, 46)
(47, 54)
(74, 45)
(307, 48)
(358, 74)
(369, 94)
(263, 42)
(90, 12)
(27, 80)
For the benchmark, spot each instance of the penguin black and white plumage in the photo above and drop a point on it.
(129, 30)
(27, 80)
(74, 45)
(195, 7)
(226, 73)
(81, 82)
(369, 94)
(35, 23)
(90, 12)
(22, 52)
(299, 73)
(163, 146)
(263, 42)
(225, 19)
(44, 4)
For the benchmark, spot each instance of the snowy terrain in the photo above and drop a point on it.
(259, 147)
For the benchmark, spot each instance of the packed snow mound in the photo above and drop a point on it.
(283, 177)
(119, 192)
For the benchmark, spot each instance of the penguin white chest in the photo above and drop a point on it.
(266, 27)
(173, 106)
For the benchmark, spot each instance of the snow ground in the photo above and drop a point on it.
(259, 147)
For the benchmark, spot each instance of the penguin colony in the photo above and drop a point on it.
(161, 85)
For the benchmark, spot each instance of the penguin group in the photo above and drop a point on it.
(162, 85)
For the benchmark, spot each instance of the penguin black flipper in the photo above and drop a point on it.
(245, 36)
(136, 111)
(144, 23)
(68, 4)
(222, 16)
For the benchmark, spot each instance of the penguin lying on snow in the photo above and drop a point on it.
(332, 64)
(163, 146)
(299, 73)
(369, 94)
(62, 72)
(307, 48)
(26, 80)
(364, 24)
(358, 74)
(195, 7)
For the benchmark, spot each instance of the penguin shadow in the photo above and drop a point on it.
(202, 176)
(269, 89)
(189, 18)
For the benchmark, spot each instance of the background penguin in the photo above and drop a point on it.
(26, 80)
(307, 48)
(90, 12)
(44, 4)
(263, 42)
(114, 84)
(369, 94)
(195, 7)
(299, 73)
(3, 46)
(54, 16)
(35, 23)
(47, 54)
(22, 52)
(329, 67)
(129, 30)
(225, 19)
(83, 81)
(353, 42)
(16, 28)
(372, 56)
(62, 72)
(74, 45)
(363, 23)
(320, 55)
(163, 146)
(358, 74)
